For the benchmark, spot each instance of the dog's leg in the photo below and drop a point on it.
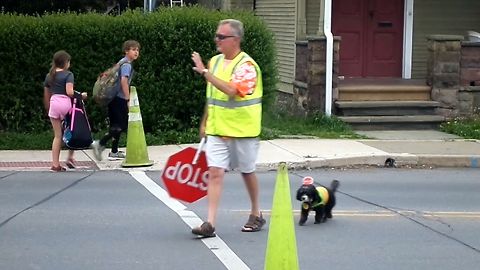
(330, 205)
(324, 217)
(303, 215)
(328, 212)
(320, 215)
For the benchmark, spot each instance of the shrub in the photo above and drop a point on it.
(171, 94)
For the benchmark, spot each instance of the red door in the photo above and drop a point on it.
(372, 37)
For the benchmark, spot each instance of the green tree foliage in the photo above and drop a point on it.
(171, 94)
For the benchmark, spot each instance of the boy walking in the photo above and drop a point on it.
(118, 107)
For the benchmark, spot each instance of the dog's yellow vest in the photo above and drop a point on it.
(323, 193)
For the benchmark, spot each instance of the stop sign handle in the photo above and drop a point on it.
(199, 150)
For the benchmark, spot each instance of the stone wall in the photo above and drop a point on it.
(470, 64)
(469, 94)
(453, 71)
(469, 100)
(310, 70)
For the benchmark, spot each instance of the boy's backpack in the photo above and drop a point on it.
(104, 88)
(77, 134)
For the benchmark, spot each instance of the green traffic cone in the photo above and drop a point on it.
(282, 245)
(137, 155)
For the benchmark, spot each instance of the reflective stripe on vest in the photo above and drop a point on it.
(233, 103)
(233, 116)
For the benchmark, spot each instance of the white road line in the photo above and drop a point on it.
(215, 244)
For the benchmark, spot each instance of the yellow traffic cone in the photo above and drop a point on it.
(137, 154)
(282, 245)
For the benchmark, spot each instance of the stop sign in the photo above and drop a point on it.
(184, 180)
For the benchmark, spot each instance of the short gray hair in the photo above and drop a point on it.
(236, 25)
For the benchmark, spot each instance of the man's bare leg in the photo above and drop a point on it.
(215, 186)
(251, 182)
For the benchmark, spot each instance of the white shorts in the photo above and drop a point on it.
(232, 153)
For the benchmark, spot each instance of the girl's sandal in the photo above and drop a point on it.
(254, 223)
(70, 163)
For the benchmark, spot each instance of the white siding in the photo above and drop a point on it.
(313, 16)
(242, 4)
(280, 16)
(440, 17)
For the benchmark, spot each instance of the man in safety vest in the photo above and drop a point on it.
(231, 121)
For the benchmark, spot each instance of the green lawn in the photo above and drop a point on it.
(274, 126)
(468, 128)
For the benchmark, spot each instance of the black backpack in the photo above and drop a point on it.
(77, 134)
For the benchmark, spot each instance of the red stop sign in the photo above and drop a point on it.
(186, 181)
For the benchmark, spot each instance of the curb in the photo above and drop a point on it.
(469, 161)
(399, 160)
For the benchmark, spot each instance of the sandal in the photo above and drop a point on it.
(205, 230)
(70, 163)
(57, 169)
(254, 223)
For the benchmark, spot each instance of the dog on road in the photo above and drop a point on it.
(316, 198)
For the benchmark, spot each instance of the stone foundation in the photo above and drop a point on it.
(470, 64)
(469, 100)
(309, 84)
(453, 71)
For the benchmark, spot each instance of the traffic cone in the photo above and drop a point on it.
(137, 155)
(282, 245)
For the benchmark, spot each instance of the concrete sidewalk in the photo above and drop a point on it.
(297, 153)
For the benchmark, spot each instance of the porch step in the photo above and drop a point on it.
(383, 92)
(387, 104)
(385, 108)
(405, 122)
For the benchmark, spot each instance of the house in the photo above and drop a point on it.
(385, 58)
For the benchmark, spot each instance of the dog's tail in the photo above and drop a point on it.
(334, 185)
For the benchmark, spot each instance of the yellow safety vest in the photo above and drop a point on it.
(238, 117)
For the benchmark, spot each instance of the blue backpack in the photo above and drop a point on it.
(77, 134)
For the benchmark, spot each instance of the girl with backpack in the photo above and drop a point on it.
(58, 92)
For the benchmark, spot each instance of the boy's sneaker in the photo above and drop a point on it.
(116, 156)
(97, 150)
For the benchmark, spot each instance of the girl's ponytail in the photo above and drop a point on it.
(52, 73)
(60, 60)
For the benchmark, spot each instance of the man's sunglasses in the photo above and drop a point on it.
(222, 37)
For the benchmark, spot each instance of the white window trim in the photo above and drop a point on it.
(407, 39)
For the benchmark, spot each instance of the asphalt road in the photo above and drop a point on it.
(384, 219)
